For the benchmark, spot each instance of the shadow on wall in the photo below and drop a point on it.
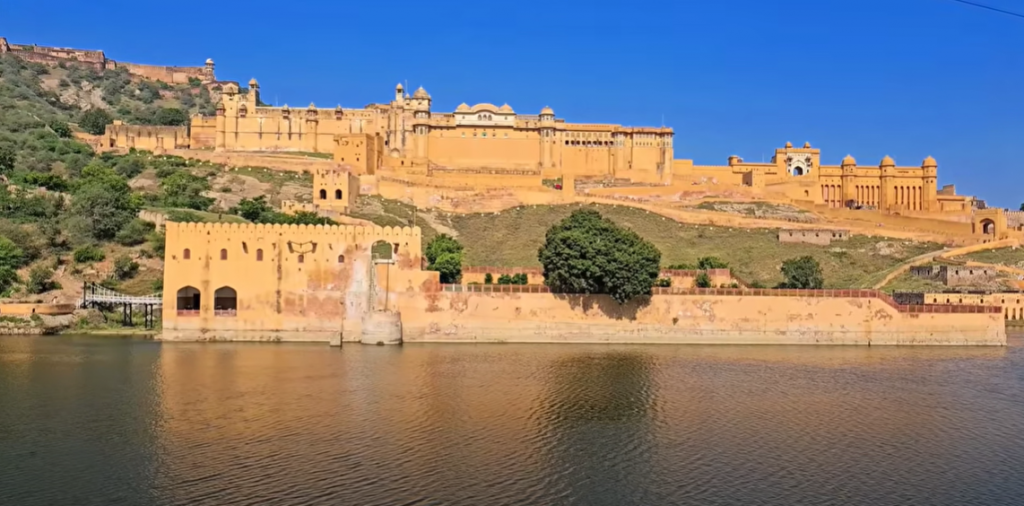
(606, 305)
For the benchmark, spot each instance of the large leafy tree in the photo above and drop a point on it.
(444, 255)
(587, 253)
(803, 272)
(184, 189)
(104, 201)
(95, 121)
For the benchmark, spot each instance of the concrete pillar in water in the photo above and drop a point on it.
(382, 327)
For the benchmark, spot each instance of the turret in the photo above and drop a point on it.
(547, 137)
(398, 92)
(888, 193)
(929, 190)
(208, 75)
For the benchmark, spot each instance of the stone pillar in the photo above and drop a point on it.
(929, 187)
(887, 195)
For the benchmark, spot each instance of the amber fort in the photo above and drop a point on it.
(324, 283)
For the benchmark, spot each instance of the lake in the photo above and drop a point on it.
(102, 421)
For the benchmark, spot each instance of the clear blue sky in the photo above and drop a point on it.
(907, 78)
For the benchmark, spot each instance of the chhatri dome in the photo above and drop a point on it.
(209, 61)
(506, 108)
(849, 160)
(253, 83)
(888, 161)
(547, 110)
(929, 162)
(463, 107)
(420, 93)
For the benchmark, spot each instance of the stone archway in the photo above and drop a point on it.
(798, 170)
(382, 250)
(189, 299)
(988, 227)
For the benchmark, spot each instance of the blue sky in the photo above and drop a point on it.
(907, 78)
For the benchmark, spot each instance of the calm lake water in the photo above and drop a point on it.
(101, 421)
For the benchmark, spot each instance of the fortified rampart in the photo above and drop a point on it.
(157, 139)
(679, 278)
(1012, 303)
(98, 60)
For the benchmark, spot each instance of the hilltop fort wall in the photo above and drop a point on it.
(98, 60)
(148, 137)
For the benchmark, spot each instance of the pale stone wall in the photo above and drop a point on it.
(146, 137)
(819, 237)
(17, 309)
(1012, 303)
(705, 319)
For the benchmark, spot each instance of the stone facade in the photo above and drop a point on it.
(157, 139)
(304, 283)
(1012, 303)
(956, 275)
(819, 237)
(98, 60)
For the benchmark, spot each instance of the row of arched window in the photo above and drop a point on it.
(186, 254)
(190, 298)
(323, 194)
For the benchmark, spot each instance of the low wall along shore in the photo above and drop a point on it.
(849, 317)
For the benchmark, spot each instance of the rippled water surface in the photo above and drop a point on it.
(99, 421)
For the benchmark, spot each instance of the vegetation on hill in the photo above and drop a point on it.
(586, 253)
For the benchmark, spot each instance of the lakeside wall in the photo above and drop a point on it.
(853, 317)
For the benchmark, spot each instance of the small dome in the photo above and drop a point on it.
(285, 107)
(311, 106)
(463, 107)
(789, 145)
(420, 93)
(888, 161)
(338, 108)
(929, 162)
(807, 145)
(547, 110)
(849, 160)
(506, 108)
(399, 87)
(209, 61)
(253, 83)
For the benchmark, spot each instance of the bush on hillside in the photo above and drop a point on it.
(95, 121)
(60, 128)
(586, 253)
(40, 280)
(802, 273)
(89, 253)
(135, 232)
(11, 255)
(125, 268)
(702, 280)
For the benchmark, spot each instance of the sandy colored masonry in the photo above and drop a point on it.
(317, 283)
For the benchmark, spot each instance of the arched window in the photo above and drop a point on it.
(381, 251)
(337, 194)
(302, 258)
(188, 301)
(186, 254)
(341, 259)
(223, 254)
(323, 194)
(225, 301)
(259, 255)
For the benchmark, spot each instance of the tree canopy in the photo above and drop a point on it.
(802, 273)
(95, 121)
(588, 254)
(444, 255)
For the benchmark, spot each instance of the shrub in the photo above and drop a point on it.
(183, 216)
(702, 280)
(488, 279)
(8, 278)
(87, 254)
(135, 232)
(129, 167)
(95, 121)
(802, 273)
(520, 279)
(11, 256)
(663, 282)
(504, 279)
(125, 268)
(60, 128)
(40, 280)
(7, 159)
(587, 253)
(157, 243)
(705, 263)
(183, 189)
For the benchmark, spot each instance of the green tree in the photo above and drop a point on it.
(705, 263)
(11, 255)
(40, 280)
(252, 209)
(105, 201)
(60, 128)
(170, 116)
(702, 280)
(488, 279)
(307, 218)
(504, 279)
(7, 159)
(803, 273)
(587, 253)
(8, 278)
(444, 255)
(157, 243)
(125, 267)
(129, 167)
(520, 279)
(135, 232)
(95, 121)
(184, 189)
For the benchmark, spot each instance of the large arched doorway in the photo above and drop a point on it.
(225, 301)
(189, 299)
(382, 250)
(988, 227)
(798, 170)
